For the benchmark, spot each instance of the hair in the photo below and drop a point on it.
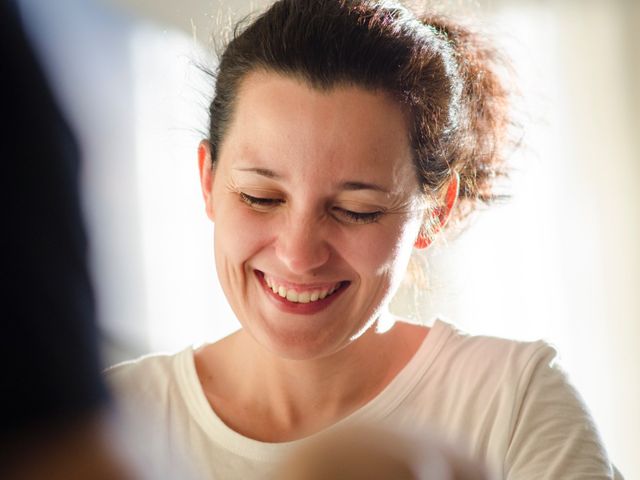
(443, 74)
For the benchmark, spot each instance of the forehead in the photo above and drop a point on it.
(281, 122)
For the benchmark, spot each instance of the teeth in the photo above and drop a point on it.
(299, 297)
(304, 297)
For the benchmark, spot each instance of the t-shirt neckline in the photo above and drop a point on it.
(375, 410)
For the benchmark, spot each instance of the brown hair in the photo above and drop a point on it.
(442, 73)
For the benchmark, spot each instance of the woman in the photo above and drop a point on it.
(343, 135)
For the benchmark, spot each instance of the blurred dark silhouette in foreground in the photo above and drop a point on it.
(51, 389)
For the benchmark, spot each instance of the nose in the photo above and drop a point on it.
(302, 244)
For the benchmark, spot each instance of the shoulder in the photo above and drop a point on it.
(153, 418)
(526, 412)
(151, 376)
(461, 379)
(510, 362)
(521, 380)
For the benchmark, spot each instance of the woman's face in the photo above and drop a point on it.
(316, 207)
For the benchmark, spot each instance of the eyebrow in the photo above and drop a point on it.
(349, 185)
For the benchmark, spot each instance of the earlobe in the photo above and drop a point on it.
(206, 176)
(450, 200)
(422, 241)
(440, 216)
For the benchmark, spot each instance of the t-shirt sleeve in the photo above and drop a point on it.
(552, 433)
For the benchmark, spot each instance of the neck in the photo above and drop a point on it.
(293, 398)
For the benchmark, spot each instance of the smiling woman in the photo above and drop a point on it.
(344, 134)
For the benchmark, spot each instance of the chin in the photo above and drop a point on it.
(300, 343)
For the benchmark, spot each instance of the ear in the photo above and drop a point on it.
(441, 215)
(206, 176)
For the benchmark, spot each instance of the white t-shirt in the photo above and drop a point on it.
(506, 402)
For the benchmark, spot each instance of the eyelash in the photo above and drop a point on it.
(257, 201)
(352, 217)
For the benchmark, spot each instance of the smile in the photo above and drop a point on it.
(300, 294)
(301, 298)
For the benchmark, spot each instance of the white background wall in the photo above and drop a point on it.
(560, 262)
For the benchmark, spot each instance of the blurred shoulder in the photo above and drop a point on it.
(150, 374)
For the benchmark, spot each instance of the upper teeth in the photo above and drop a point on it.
(300, 296)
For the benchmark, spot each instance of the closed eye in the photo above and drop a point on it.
(341, 214)
(350, 216)
(259, 201)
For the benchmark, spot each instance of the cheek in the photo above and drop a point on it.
(384, 252)
(239, 233)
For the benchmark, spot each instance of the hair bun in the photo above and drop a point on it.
(484, 135)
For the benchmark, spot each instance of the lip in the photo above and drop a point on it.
(300, 308)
